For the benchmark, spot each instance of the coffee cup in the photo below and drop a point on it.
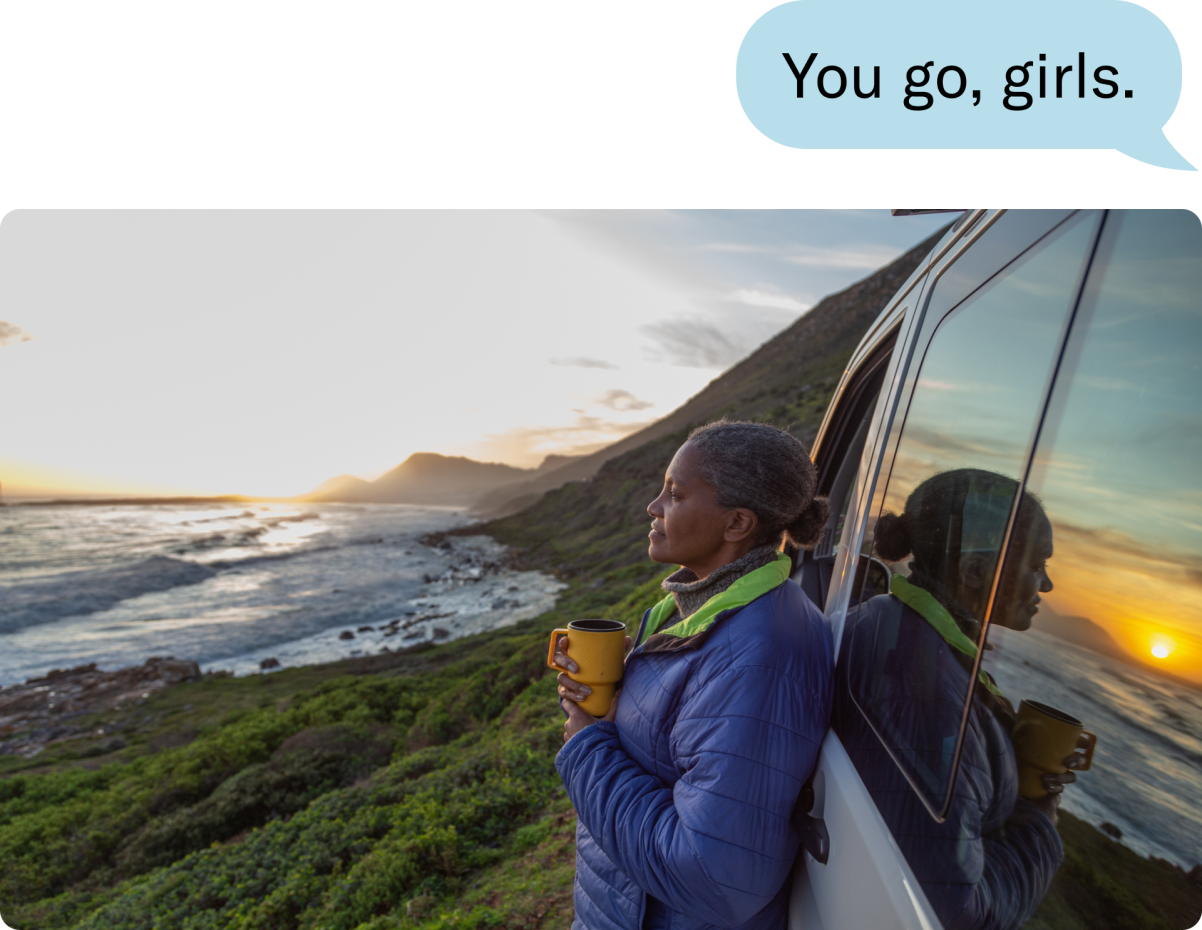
(1043, 738)
(598, 648)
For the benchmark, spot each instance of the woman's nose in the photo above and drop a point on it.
(655, 508)
(1045, 583)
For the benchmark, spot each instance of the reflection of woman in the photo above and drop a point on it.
(910, 654)
(684, 791)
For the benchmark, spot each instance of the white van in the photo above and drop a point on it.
(1057, 355)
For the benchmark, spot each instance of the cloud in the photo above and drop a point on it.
(10, 334)
(622, 401)
(758, 298)
(692, 343)
(741, 248)
(867, 258)
(932, 384)
(582, 362)
(528, 446)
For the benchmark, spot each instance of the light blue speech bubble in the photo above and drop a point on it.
(974, 75)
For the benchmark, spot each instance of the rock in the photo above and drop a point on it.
(440, 633)
(366, 629)
(1111, 830)
(269, 663)
(346, 634)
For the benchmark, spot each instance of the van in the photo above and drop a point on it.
(1025, 416)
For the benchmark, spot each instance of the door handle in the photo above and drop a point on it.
(815, 838)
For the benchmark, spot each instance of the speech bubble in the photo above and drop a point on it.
(979, 64)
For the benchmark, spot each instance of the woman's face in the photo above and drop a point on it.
(1025, 578)
(688, 525)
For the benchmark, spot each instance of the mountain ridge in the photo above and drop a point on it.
(429, 478)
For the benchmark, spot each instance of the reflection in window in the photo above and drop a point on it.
(1117, 641)
(979, 395)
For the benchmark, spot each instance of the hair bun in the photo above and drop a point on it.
(892, 540)
(807, 529)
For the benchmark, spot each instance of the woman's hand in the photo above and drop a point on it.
(1054, 784)
(578, 719)
(571, 692)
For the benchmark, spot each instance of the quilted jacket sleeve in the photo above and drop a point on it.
(976, 875)
(718, 845)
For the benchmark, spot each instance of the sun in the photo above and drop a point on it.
(1162, 647)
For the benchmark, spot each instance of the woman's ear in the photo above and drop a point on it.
(741, 525)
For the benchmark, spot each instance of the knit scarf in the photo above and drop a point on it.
(691, 592)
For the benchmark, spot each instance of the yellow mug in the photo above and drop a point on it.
(598, 648)
(1043, 738)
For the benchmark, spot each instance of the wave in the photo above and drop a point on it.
(229, 540)
(85, 592)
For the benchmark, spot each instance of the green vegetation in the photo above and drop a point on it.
(1104, 884)
(338, 797)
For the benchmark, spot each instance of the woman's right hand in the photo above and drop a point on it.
(568, 688)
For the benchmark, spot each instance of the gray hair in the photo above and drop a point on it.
(767, 471)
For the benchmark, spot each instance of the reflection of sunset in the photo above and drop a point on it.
(1145, 597)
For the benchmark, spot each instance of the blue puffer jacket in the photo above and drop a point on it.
(684, 802)
(990, 862)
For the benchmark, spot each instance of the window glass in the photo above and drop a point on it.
(979, 396)
(1115, 636)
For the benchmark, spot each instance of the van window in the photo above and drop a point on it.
(907, 660)
(1116, 636)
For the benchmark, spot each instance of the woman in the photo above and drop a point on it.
(905, 666)
(685, 790)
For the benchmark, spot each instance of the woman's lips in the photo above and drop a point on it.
(655, 534)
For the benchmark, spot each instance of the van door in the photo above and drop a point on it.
(971, 376)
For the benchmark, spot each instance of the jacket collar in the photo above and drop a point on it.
(690, 632)
(923, 603)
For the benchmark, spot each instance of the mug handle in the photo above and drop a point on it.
(555, 634)
(1093, 742)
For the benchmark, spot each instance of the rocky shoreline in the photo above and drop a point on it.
(39, 712)
(480, 590)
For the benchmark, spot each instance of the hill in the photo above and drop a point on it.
(1080, 631)
(427, 478)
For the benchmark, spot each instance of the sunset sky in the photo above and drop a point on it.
(265, 352)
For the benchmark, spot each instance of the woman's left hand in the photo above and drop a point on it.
(1054, 784)
(579, 719)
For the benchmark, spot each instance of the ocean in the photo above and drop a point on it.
(1146, 777)
(233, 585)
